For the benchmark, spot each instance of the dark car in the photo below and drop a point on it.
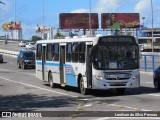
(26, 58)
(1, 58)
(156, 78)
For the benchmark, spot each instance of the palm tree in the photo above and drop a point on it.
(58, 36)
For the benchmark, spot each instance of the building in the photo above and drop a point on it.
(17, 35)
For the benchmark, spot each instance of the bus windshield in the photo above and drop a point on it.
(116, 57)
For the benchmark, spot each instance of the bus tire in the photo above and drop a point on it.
(156, 84)
(120, 91)
(50, 80)
(83, 90)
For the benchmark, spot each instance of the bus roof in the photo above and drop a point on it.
(79, 39)
(75, 39)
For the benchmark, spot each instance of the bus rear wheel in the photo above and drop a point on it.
(50, 80)
(83, 90)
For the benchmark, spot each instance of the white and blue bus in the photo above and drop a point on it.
(101, 62)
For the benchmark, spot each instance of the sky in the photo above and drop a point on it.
(30, 12)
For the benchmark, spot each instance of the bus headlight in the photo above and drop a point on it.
(99, 77)
(135, 76)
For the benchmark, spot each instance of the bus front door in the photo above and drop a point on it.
(62, 66)
(89, 66)
(44, 62)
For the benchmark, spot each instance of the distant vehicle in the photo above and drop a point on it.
(1, 58)
(26, 58)
(156, 78)
(31, 45)
(2, 37)
(22, 44)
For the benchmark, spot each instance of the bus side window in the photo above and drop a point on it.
(69, 52)
(55, 52)
(82, 49)
(75, 52)
(48, 54)
(39, 52)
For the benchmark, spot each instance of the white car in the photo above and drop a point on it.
(1, 58)
(31, 45)
(22, 44)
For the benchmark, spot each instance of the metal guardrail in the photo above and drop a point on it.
(154, 61)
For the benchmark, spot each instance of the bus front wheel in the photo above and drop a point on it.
(50, 80)
(83, 90)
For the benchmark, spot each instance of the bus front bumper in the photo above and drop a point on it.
(103, 84)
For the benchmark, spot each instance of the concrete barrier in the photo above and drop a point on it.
(7, 52)
(14, 42)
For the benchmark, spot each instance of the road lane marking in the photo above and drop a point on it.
(18, 72)
(156, 95)
(128, 107)
(87, 105)
(37, 87)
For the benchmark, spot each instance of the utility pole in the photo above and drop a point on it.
(90, 17)
(152, 24)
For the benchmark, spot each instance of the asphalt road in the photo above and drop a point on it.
(20, 90)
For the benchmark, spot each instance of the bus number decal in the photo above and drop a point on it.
(68, 69)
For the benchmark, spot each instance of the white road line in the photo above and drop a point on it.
(128, 107)
(5, 69)
(156, 95)
(18, 72)
(87, 105)
(127, 118)
(38, 87)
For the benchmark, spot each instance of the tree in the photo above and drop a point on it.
(35, 38)
(58, 35)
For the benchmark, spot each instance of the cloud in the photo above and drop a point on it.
(107, 6)
(80, 11)
(144, 8)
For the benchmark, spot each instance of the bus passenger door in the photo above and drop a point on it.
(89, 66)
(44, 62)
(62, 65)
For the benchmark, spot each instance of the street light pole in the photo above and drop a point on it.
(90, 17)
(152, 23)
(14, 21)
(43, 20)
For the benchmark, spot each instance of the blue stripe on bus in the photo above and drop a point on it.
(70, 78)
